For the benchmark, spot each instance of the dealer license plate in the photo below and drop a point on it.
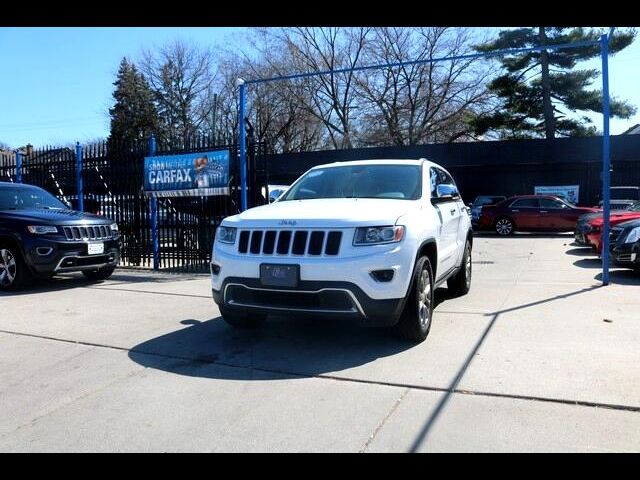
(273, 275)
(95, 248)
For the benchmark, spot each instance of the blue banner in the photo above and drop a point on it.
(187, 175)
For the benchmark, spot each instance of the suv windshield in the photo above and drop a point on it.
(28, 197)
(403, 182)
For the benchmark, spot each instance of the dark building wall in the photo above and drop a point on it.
(501, 168)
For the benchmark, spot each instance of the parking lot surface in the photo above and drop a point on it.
(537, 357)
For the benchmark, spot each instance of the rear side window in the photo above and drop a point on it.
(548, 203)
(525, 203)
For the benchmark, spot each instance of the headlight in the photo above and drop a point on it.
(634, 236)
(378, 235)
(114, 227)
(42, 229)
(226, 234)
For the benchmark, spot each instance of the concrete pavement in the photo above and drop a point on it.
(537, 357)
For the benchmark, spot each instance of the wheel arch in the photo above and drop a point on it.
(428, 248)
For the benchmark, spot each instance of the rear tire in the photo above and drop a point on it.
(100, 274)
(460, 284)
(415, 320)
(14, 273)
(504, 226)
(242, 320)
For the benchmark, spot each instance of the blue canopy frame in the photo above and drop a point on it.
(606, 161)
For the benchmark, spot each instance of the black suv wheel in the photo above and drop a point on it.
(415, 321)
(13, 271)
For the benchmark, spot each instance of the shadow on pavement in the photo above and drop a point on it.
(593, 262)
(622, 277)
(279, 348)
(453, 386)
(582, 252)
(77, 280)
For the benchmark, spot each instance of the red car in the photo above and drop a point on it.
(531, 213)
(593, 229)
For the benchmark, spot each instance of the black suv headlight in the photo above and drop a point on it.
(633, 236)
(42, 229)
(226, 234)
(378, 235)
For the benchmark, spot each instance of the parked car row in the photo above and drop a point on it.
(531, 213)
(624, 238)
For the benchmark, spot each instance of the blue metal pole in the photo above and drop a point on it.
(153, 206)
(243, 149)
(606, 160)
(79, 177)
(18, 167)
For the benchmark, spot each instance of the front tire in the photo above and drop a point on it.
(100, 274)
(415, 320)
(504, 226)
(242, 320)
(14, 273)
(460, 284)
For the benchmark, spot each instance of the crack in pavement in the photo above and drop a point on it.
(383, 421)
(459, 391)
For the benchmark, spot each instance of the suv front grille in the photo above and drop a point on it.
(290, 242)
(83, 233)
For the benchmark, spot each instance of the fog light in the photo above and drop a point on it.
(382, 275)
(44, 251)
(215, 269)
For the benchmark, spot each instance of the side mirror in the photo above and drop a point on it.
(446, 192)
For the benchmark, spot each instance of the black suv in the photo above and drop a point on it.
(40, 236)
(625, 244)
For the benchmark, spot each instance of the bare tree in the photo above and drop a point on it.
(181, 76)
(330, 98)
(421, 102)
(280, 121)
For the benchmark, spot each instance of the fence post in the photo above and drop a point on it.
(153, 204)
(18, 166)
(606, 159)
(79, 177)
(243, 148)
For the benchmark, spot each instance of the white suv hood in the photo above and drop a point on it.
(323, 213)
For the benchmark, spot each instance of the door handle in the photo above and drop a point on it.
(515, 211)
(453, 211)
(544, 211)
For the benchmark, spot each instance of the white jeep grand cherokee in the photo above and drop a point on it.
(368, 240)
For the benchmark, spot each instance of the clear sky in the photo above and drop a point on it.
(56, 83)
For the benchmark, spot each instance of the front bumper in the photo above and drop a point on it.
(310, 298)
(626, 255)
(47, 256)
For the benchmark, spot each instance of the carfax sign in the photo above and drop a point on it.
(188, 175)
(570, 193)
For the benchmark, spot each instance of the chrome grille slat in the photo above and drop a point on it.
(98, 232)
(302, 242)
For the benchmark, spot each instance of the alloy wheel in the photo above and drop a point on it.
(424, 299)
(504, 227)
(7, 268)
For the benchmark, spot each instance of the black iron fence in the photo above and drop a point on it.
(112, 178)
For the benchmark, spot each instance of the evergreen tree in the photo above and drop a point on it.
(541, 93)
(134, 116)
